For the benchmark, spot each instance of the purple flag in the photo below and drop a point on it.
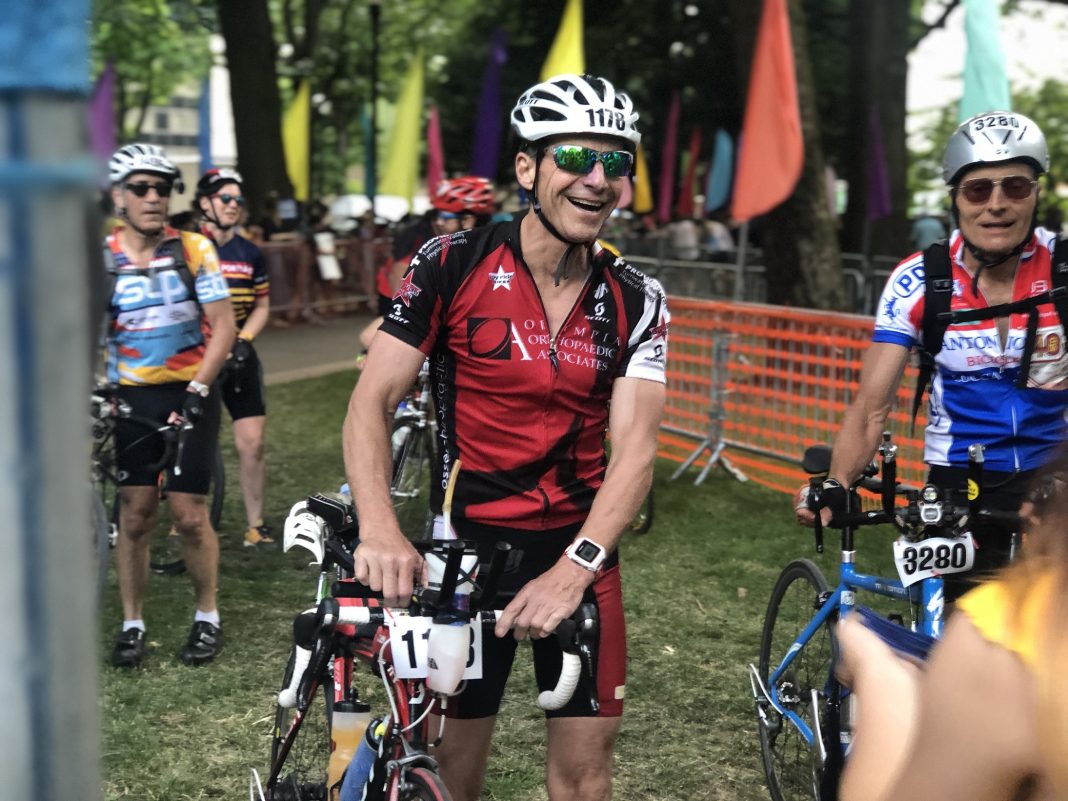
(487, 147)
(878, 183)
(100, 115)
(667, 162)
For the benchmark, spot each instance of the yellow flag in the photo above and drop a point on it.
(402, 159)
(295, 124)
(567, 55)
(643, 186)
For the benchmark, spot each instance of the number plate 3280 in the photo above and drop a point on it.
(935, 556)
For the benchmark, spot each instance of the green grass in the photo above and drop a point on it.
(695, 591)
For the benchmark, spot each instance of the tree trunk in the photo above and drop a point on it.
(250, 55)
(879, 33)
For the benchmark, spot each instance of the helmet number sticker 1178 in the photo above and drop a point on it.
(607, 118)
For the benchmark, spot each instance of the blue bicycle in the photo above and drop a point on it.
(802, 712)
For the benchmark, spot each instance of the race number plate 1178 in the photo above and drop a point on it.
(935, 556)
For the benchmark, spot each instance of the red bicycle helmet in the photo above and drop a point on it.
(469, 193)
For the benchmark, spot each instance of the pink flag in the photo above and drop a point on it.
(435, 156)
(667, 162)
(685, 206)
(771, 151)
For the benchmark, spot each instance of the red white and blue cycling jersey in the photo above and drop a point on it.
(526, 412)
(974, 395)
(155, 335)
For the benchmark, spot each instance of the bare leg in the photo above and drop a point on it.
(252, 467)
(463, 754)
(138, 512)
(579, 764)
(200, 546)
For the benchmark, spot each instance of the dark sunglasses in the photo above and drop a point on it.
(447, 215)
(1015, 187)
(227, 199)
(581, 160)
(140, 189)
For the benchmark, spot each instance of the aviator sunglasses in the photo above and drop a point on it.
(1015, 187)
(227, 199)
(140, 189)
(581, 160)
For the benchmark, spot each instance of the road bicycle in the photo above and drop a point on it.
(420, 654)
(106, 410)
(413, 440)
(803, 714)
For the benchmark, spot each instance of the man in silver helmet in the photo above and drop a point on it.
(991, 381)
(538, 340)
(167, 286)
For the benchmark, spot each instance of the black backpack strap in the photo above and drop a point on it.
(1059, 278)
(938, 292)
(176, 249)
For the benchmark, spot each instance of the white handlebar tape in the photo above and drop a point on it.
(287, 698)
(557, 698)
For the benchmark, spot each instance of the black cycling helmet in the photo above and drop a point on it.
(211, 182)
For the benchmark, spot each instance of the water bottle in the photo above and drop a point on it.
(347, 726)
(352, 788)
(447, 652)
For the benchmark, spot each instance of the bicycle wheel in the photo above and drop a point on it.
(791, 766)
(101, 531)
(423, 785)
(303, 774)
(410, 485)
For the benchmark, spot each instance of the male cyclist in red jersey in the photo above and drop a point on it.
(539, 340)
(220, 203)
(458, 204)
(167, 286)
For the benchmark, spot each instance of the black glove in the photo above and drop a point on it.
(835, 497)
(192, 408)
(241, 353)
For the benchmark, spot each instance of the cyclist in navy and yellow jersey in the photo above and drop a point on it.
(539, 340)
(167, 291)
(220, 203)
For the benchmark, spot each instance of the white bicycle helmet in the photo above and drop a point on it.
(993, 137)
(575, 104)
(304, 529)
(142, 157)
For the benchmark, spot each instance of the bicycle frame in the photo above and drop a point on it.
(928, 593)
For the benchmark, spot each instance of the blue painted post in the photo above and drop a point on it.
(49, 744)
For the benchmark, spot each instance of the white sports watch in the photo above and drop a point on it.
(587, 553)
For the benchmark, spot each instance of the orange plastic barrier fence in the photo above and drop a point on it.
(779, 382)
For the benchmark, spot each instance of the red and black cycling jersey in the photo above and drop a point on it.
(525, 410)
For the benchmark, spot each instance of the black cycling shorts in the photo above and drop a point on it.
(138, 449)
(242, 388)
(482, 697)
(1003, 492)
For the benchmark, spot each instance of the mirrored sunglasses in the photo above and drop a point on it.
(140, 189)
(227, 199)
(581, 160)
(1015, 187)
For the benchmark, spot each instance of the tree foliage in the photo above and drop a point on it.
(155, 46)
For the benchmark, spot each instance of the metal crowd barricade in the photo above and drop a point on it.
(789, 376)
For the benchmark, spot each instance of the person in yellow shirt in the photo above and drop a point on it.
(986, 718)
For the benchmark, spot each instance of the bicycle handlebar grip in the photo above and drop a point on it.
(356, 615)
(557, 698)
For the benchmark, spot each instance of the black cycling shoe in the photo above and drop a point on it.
(129, 650)
(205, 641)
